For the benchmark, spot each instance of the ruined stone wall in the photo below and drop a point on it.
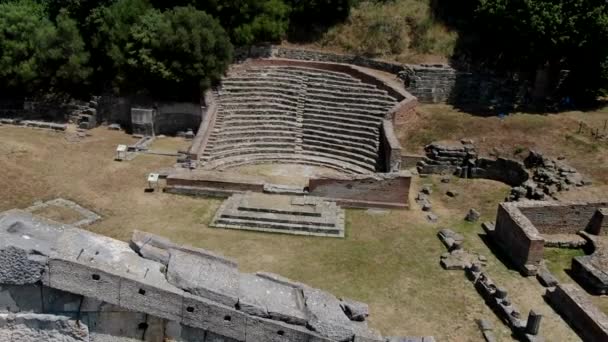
(172, 117)
(181, 284)
(562, 218)
(389, 148)
(518, 238)
(504, 170)
(436, 83)
(206, 126)
(378, 190)
(578, 310)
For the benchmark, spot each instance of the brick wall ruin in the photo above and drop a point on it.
(522, 227)
(153, 289)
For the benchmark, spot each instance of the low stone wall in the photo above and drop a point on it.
(204, 131)
(212, 183)
(504, 170)
(563, 218)
(390, 148)
(172, 117)
(518, 237)
(577, 309)
(364, 191)
(520, 227)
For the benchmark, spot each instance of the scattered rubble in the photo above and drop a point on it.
(537, 177)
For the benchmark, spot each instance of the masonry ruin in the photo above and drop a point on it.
(326, 116)
(58, 280)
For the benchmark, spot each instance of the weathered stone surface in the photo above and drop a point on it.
(472, 216)
(40, 327)
(356, 311)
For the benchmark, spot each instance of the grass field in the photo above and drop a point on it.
(389, 259)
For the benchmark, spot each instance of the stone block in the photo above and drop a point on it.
(162, 301)
(91, 282)
(222, 320)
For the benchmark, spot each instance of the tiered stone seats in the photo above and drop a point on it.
(288, 114)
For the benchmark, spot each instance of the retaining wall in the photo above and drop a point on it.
(564, 218)
(89, 265)
(579, 312)
(364, 191)
(518, 238)
(204, 131)
(390, 148)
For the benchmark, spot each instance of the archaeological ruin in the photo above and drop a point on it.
(61, 283)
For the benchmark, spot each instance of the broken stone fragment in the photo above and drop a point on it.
(452, 193)
(432, 217)
(427, 189)
(472, 216)
(355, 311)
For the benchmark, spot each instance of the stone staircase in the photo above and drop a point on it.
(288, 114)
(301, 215)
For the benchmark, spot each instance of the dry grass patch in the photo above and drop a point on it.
(389, 259)
(555, 134)
(59, 214)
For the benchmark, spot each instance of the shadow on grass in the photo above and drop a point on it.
(498, 252)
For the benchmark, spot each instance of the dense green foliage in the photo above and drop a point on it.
(535, 34)
(36, 53)
(165, 48)
(178, 48)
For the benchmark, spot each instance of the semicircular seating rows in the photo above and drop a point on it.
(288, 114)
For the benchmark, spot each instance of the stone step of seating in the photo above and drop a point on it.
(368, 166)
(341, 115)
(373, 129)
(244, 115)
(322, 108)
(356, 158)
(341, 96)
(319, 79)
(275, 91)
(305, 76)
(317, 134)
(362, 103)
(349, 90)
(361, 108)
(261, 83)
(261, 128)
(338, 130)
(263, 77)
(374, 121)
(257, 101)
(247, 152)
(303, 71)
(259, 112)
(252, 120)
(314, 71)
(276, 227)
(218, 150)
(282, 81)
(367, 151)
(233, 140)
(259, 104)
(239, 98)
(282, 158)
(367, 145)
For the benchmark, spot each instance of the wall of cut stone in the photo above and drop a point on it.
(504, 170)
(377, 190)
(172, 117)
(562, 218)
(430, 83)
(578, 311)
(518, 238)
(199, 142)
(390, 149)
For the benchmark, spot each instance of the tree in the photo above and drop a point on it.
(63, 54)
(247, 21)
(112, 31)
(178, 51)
(533, 34)
(36, 55)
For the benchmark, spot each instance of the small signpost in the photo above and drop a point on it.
(152, 181)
